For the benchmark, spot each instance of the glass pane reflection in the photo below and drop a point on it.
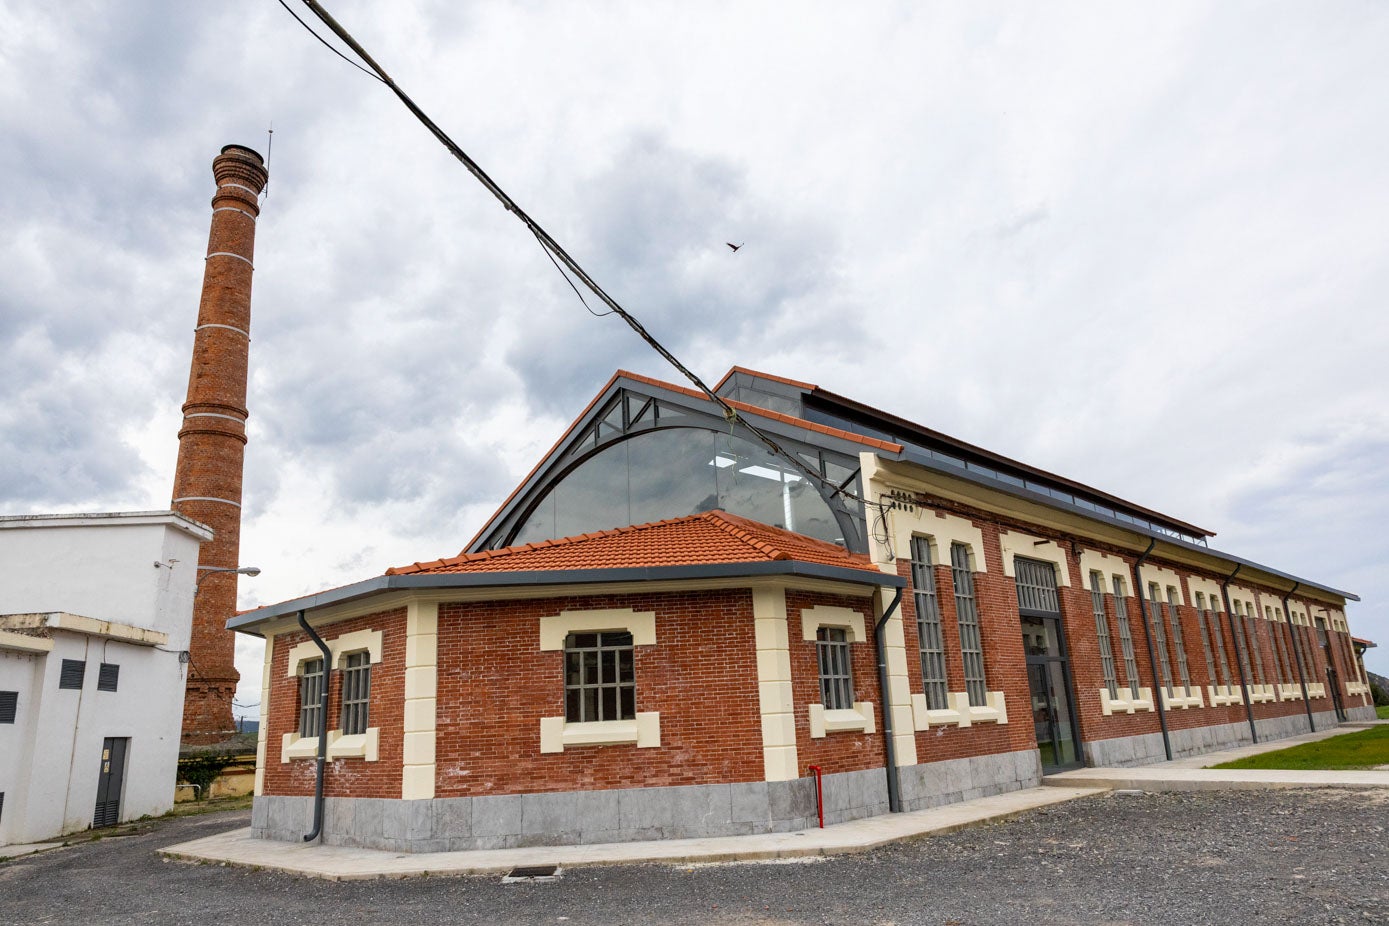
(677, 472)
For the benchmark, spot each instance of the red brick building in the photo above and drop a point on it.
(921, 620)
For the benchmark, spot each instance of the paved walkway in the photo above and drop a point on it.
(341, 863)
(344, 863)
(1192, 773)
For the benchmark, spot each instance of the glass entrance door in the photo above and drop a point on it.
(1052, 717)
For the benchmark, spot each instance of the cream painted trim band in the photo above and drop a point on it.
(25, 643)
(365, 746)
(233, 208)
(262, 737)
(238, 186)
(76, 623)
(776, 704)
(812, 619)
(555, 627)
(923, 718)
(421, 705)
(241, 331)
(188, 415)
(645, 731)
(229, 254)
(205, 498)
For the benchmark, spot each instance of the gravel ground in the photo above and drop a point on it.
(1256, 857)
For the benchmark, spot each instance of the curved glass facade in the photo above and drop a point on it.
(673, 472)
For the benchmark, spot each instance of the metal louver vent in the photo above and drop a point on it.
(108, 677)
(72, 673)
(1036, 585)
(9, 701)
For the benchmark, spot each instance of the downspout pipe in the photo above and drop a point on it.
(1239, 661)
(322, 730)
(1152, 654)
(1297, 656)
(894, 784)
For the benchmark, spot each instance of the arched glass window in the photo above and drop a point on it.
(674, 472)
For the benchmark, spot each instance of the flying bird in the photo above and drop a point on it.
(735, 247)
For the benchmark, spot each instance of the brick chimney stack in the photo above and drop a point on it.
(212, 439)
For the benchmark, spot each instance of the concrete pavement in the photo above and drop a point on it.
(342, 863)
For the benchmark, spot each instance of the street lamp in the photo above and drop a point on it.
(213, 570)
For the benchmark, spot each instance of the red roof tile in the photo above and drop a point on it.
(710, 537)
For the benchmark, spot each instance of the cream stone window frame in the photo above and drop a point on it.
(1182, 697)
(1224, 695)
(643, 730)
(1125, 705)
(860, 718)
(367, 745)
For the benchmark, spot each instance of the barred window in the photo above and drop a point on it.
(599, 677)
(356, 692)
(310, 691)
(1218, 639)
(967, 616)
(836, 675)
(928, 626)
(1280, 660)
(1178, 642)
(1121, 620)
(1102, 633)
(1160, 635)
(1203, 627)
(1251, 631)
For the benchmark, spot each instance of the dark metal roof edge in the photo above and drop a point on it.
(545, 578)
(832, 398)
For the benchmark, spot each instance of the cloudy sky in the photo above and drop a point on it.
(1139, 244)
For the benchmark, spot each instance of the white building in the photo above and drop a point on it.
(95, 616)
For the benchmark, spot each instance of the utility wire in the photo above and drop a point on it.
(325, 42)
(556, 252)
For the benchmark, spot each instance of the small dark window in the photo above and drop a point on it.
(108, 677)
(72, 672)
(599, 677)
(356, 692)
(2, 805)
(9, 701)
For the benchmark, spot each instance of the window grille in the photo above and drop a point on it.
(1102, 633)
(1203, 627)
(72, 673)
(1218, 639)
(599, 677)
(967, 616)
(1036, 583)
(928, 627)
(1160, 635)
(836, 674)
(1251, 631)
(9, 706)
(1121, 620)
(1282, 665)
(310, 692)
(108, 677)
(356, 693)
(1178, 641)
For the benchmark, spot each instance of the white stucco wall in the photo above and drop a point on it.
(102, 568)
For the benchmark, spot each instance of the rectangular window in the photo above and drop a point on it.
(1178, 642)
(1121, 620)
(9, 705)
(108, 677)
(1280, 660)
(1251, 631)
(72, 673)
(1218, 639)
(967, 616)
(600, 680)
(836, 675)
(310, 693)
(1102, 633)
(1160, 635)
(356, 692)
(1203, 627)
(928, 626)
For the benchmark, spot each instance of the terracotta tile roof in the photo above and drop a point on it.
(707, 538)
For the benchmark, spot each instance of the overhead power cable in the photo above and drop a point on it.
(555, 251)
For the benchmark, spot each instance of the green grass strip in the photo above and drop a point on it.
(1362, 749)
(1382, 712)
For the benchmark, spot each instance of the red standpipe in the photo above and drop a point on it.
(819, 794)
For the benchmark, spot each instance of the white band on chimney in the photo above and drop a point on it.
(234, 209)
(239, 187)
(228, 254)
(240, 331)
(205, 498)
(214, 415)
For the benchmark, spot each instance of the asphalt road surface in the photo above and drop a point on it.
(1252, 857)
